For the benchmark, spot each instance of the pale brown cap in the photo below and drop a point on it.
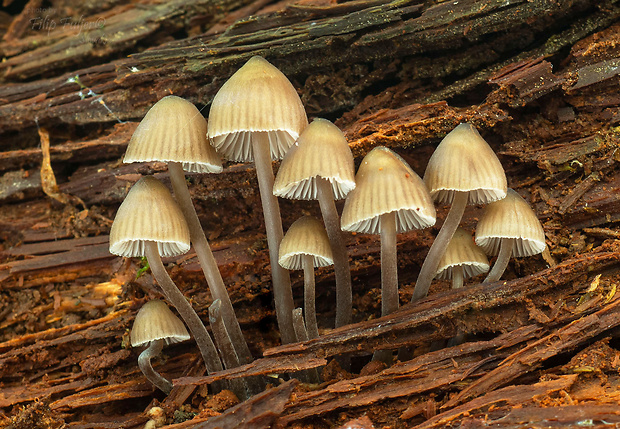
(462, 252)
(385, 183)
(257, 98)
(465, 162)
(149, 213)
(174, 130)
(306, 236)
(321, 151)
(511, 217)
(155, 321)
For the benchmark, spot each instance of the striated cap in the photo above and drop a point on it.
(321, 151)
(306, 236)
(511, 217)
(385, 183)
(149, 213)
(155, 321)
(462, 252)
(464, 162)
(174, 130)
(257, 98)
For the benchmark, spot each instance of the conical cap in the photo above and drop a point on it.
(174, 130)
(511, 217)
(462, 252)
(321, 151)
(149, 213)
(385, 183)
(155, 321)
(257, 98)
(306, 236)
(465, 162)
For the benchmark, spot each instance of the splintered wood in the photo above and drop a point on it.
(540, 80)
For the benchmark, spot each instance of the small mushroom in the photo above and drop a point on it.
(462, 259)
(174, 131)
(150, 223)
(256, 116)
(306, 246)
(155, 326)
(509, 227)
(306, 173)
(462, 170)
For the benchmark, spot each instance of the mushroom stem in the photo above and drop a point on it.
(342, 271)
(310, 375)
(177, 299)
(505, 252)
(207, 261)
(309, 297)
(144, 362)
(282, 292)
(457, 277)
(438, 248)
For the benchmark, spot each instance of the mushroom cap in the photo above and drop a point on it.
(462, 252)
(174, 130)
(155, 321)
(257, 98)
(511, 217)
(149, 213)
(321, 151)
(464, 162)
(306, 236)
(386, 183)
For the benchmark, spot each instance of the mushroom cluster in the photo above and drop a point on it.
(257, 116)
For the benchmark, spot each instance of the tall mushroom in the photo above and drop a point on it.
(320, 167)
(155, 326)
(150, 223)
(509, 227)
(389, 198)
(306, 246)
(256, 116)
(462, 170)
(462, 259)
(174, 131)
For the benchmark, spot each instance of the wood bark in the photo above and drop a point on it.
(539, 80)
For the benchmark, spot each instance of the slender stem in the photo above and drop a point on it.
(342, 270)
(225, 346)
(207, 261)
(309, 293)
(389, 264)
(505, 252)
(176, 298)
(144, 362)
(282, 292)
(310, 375)
(438, 248)
(457, 277)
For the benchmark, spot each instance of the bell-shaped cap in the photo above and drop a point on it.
(464, 162)
(174, 130)
(155, 321)
(257, 98)
(321, 151)
(306, 236)
(511, 217)
(462, 252)
(149, 213)
(386, 183)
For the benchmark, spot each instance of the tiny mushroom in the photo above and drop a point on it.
(462, 170)
(509, 227)
(256, 116)
(150, 223)
(174, 131)
(156, 326)
(462, 259)
(306, 173)
(306, 246)
(389, 198)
